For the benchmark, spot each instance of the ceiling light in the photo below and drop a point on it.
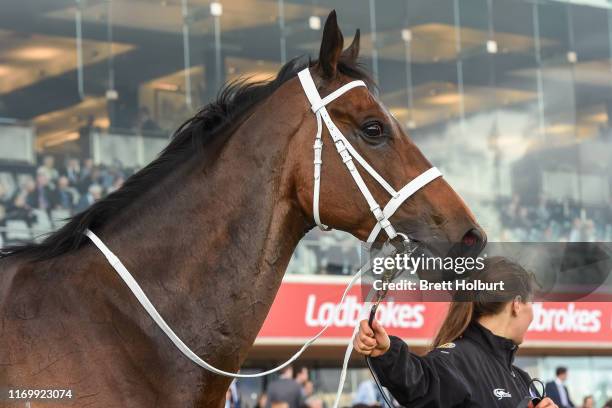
(406, 35)
(444, 99)
(216, 9)
(492, 47)
(164, 86)
(36, 53)
(399, 111)
(112, 95)
(572, 57)
(4, 69)
(314, 22)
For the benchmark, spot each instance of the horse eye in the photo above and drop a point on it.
(373, 129)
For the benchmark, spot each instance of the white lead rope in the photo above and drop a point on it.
(183, 348)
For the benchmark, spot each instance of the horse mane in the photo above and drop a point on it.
(213, 121)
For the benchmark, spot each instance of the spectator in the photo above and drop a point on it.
(2, 224)
(262, 400)
(301, 377)
(542, 212)
(20, 210)
(91, 175)
(27, 186)
(111, 176)
(587, 402)
(574, 235)
(48, 167)
(85, 132)
(557, 391)
(608, 404)
(367, 394)
(117, 183)
(42, 196)
(94, 193)
(232, 398)
(65, 196)
(4, 195)
(73, 171)
(284, 390)
(308, 389)
(144, 122)
(313, 402)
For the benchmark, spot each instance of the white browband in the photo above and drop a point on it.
(347, 153)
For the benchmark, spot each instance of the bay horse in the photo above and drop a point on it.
(207, 229)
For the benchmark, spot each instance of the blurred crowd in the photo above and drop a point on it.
(36, 201)
(554, 221)
(294, 389)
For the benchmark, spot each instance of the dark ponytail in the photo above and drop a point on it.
(467, 307)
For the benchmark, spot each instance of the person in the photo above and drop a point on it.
(87, 176)
(261, 400)
(313, 402)
(73, 171)
(144, 121)
(4, 195)
(19, 208)
(232, 396)
(367, 394)
(557, 390)
(301, 377)
(2, 224)
(94, 194)
(308, 389)
(284, 390)
(588, 402)
(42, 196)
(48, 168)
(471, 362)
(65, 196)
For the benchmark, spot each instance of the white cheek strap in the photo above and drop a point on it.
(348, 153)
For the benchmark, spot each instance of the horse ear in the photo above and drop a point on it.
(331, 46)
(352, 52)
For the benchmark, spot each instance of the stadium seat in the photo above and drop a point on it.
(59, 217)
(17, 230)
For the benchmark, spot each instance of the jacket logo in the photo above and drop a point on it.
(501, 393)
(447, 346)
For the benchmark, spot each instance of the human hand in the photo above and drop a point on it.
(371, 341)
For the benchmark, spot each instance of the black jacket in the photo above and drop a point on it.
(553, 392)
(474, 371)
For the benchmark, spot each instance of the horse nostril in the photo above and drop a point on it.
(469, 239)
(472, 242)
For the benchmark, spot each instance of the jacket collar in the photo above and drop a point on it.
(502, 348)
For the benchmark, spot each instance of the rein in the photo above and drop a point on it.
(348, 154)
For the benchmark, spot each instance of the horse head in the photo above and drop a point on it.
(435, 215)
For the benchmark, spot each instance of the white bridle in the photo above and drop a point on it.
(348, 153)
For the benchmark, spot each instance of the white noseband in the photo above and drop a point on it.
(348, 153)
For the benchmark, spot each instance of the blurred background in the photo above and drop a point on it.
(511, 99)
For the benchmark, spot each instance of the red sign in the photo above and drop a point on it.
(304, 305)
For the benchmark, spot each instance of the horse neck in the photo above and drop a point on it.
(210, 244)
